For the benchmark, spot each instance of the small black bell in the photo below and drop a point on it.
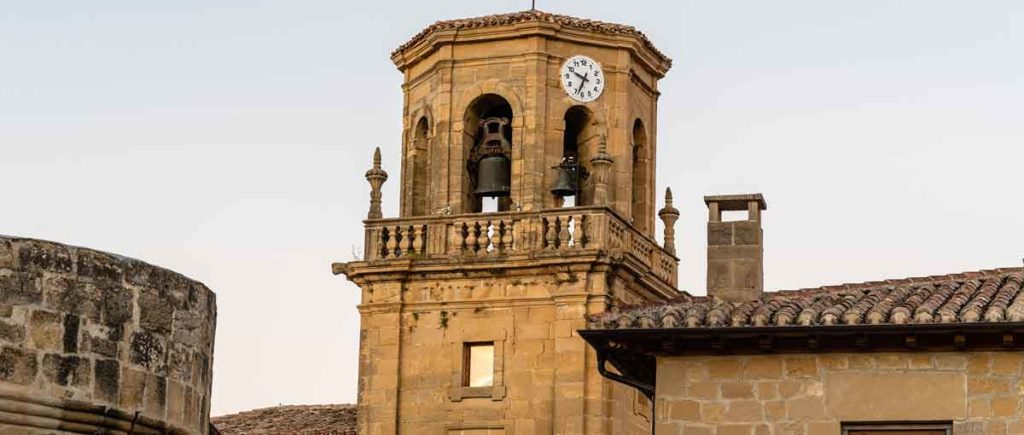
(494, 178)
(567, 179)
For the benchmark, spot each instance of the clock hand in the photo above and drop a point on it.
(580, 88)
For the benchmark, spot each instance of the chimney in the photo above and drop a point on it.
(735, 249)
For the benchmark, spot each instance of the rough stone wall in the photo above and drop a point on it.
(546, 380)
(91, 341)
(979, 392)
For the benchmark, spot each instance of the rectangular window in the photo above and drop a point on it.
(478, 365)
(898, 429)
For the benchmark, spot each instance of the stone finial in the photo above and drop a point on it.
(601, 165)
(376, 176)
(669, 215)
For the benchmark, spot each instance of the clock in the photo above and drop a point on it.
(582, 78)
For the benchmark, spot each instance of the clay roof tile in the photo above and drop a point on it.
(984, 296)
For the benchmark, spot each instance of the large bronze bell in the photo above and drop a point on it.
(567, 178)
(494, 169)
(494, 176)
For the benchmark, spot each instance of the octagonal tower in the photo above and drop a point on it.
(470, 305)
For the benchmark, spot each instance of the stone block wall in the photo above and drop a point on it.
(546, 378)
(92, 342)
(814, 394)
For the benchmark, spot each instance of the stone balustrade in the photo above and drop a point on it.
(492, 235)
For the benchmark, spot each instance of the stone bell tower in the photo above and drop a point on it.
(470, 305)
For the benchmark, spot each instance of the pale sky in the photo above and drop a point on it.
(227, 140)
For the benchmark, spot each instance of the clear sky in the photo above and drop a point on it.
(227, 140)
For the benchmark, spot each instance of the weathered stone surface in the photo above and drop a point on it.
(815, 393)
(20, 288)
(11, 333)
(156, 312)
(66, 370)
(133, 388)
(147, 350)
(18, 366)
(43, 256)
(924, 395)
(101, 346)
(180, 362)
(107, 380)
(116, 305)
(72, 328)
(46, 331)
(6, 254)
(189, 328)
(69, 295)
(99, 266)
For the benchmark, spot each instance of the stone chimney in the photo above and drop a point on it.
(736, 248)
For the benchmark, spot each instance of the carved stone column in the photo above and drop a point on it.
(669, 215)
(376, 176)
(601, 166)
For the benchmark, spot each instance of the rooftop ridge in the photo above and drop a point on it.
(983, 296)
(896, 282)
(531, 15)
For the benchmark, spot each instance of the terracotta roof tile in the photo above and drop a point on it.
(988, 296)
(295, 419)
(532, 16)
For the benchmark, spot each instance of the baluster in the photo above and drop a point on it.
(485, 238)
(391, 244)
(471, 238)
(577, 231)
(563, 232)
(509, 237)
(550, 233)
(401, 237)
(505, 233)
(417, 241)
(407, 239)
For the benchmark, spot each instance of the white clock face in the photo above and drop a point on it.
(582, 78)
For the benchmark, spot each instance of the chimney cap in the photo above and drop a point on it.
(736, 202)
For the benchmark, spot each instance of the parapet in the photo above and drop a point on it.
(92, 342)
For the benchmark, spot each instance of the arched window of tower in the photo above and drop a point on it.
(579, 142)
(641, 178)
(481, 111)
(420, 164)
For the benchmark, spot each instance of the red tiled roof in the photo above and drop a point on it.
(294, 419)
(989, 296)
(532, 16)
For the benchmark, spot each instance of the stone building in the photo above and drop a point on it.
(95, 343)
(521, 289)
(916, 356)
(472, 296)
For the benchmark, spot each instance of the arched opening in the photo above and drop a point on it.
(476, 131)
(577, 141)
(420, 181)
(641, 178)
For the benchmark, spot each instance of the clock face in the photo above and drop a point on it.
(582, 78)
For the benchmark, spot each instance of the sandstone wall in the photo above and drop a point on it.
(979, 392)
(546, 378)
(93, 342)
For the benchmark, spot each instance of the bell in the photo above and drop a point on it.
(565, 181)
(494, 176)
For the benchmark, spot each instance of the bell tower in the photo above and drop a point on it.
(527, 202)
